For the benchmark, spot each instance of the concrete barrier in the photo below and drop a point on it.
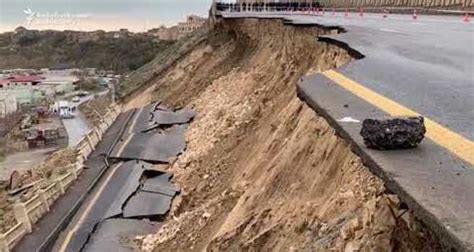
(11, 237)
(29, 212)
(398, 3)
(354, 5)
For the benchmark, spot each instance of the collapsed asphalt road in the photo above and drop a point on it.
(131, 197)
(404, 67)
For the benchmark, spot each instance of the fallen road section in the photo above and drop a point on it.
(109, 205)
(430, 179)
(131, 193)
(156, 135)
(151, 147)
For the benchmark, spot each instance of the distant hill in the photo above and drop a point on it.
(121, 51)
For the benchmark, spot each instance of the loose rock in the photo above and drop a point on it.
(393, 133)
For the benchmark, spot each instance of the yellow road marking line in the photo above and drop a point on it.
(135, 120)
(70, 234)
(122, 148)
(457, 144)
(130, 133)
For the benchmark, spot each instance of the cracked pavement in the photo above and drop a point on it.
(131, 197)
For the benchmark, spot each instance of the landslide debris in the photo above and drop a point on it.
(262, 171)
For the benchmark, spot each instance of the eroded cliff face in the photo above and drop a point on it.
(263, 171)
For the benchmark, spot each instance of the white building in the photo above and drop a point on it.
(8, 104)
(30, 89)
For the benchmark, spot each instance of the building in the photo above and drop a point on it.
(164, 33)
(192, 23)
(18, 80)
(25, 88)
(8, 104)
(176, 32)
(32, 89)
(9, 113)
(53, 84)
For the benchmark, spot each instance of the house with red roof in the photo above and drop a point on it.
(34, 88)
(21, 80)
(26, 88)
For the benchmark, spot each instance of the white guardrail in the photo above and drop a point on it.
(29, 212)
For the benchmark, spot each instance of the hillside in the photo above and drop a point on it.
(119, 51)
(262, 171)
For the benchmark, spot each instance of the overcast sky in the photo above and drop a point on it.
(136, 15)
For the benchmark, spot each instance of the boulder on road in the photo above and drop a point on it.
(393, 133)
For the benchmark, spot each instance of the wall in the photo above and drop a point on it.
(8, 104)
(192, 23)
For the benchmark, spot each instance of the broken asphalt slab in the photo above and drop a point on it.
(393, 133)
(93, 215)
(122, 181)
(147, 204)
(157, 115)
(160, 184)
(133, 172)
(114, 201)
(117, 234)
(182, 116)
(162, 118)
(152, 147)
(154, 198)
(114, 134)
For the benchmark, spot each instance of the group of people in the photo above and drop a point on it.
(273, 6)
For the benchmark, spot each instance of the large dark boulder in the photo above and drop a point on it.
(393, 133)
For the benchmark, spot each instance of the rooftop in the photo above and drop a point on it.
(25, 78)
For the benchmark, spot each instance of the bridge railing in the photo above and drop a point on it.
(445, 6)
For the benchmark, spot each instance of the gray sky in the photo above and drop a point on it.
(136, 15)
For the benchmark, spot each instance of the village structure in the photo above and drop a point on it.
(192, 23)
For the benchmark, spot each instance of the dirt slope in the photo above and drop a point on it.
(262, 171)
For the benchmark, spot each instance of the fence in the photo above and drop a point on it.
(397, 3)
(446, 6)
(29, 212)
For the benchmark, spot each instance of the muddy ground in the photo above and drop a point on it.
(262, 171)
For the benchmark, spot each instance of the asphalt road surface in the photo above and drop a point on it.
(118, 200)
(426, 64)
(78, 126)
(405, 66)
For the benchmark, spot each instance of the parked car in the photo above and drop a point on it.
(76, 99)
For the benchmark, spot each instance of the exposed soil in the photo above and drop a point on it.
(7, 218)
(95, 109)
(262, 171)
